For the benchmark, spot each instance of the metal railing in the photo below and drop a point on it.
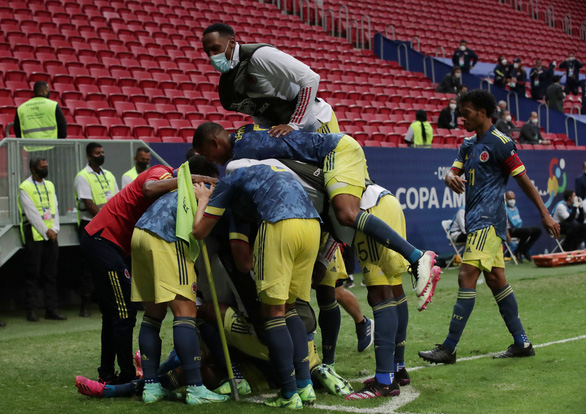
(427, 58)
(399, 46)
(550, 15)
(567, 24)
(331, 13)
(533, 9)
(418, 43)
(345, 8)
(365, 18)
(387, 31)
(583, 31)
(575, 129)
(543, 105)
(513, 93)
(440, 49)
(483, 82)
(356, 26)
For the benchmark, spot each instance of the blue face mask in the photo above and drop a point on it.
(219, 61)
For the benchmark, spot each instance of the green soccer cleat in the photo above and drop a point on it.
(201, 395)
(307, 395)
(155, 392)
(243, 387)
(331, 381)
(293, 403)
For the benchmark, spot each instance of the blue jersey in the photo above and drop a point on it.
(275, 193)
(161, 217)
(514, 217)
(253, 141)
(487, 164)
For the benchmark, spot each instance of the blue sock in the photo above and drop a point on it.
(400, 339)
(329, 323)
(462, 310)
(129, 389)
(149, 343)
(186, 344)
(509, 310)
(170, 363)
(382, 233)
(211, 337)
(385, 322)
(300, 351)
(281, 350)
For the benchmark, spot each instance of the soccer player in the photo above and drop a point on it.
(487, 159)
(345, 176)
(285, 250)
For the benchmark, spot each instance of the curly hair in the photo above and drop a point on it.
(479, 99)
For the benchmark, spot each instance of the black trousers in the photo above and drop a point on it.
(87, 269)
(118, 312)
(527, 237)
(40, 265)
(575, 234)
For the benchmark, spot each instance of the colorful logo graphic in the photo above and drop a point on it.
(556, 174)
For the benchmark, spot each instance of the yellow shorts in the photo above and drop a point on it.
(484, 250)
(345, 169)
(240, 335)
(329, 127)
(284, 256)
(382, 266)
(160, 270)
(336, 270)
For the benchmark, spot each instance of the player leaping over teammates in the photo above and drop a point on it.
(345, 175)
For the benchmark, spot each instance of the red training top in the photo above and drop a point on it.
(118, 217)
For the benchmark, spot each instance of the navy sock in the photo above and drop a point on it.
(329, 323)
(170, 363)
(236, 371)
(300, 350)
(186, 344)
(281, 350)
(462, 310)
(149, 343)
(211, 337)
(129, 389)
(505, 298)
(385, 322)
(382, 233)
(400, 339)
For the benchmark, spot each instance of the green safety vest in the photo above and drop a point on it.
(418, 135)
(99, 185)
(37, 120)
(132, 174)
(43, 195)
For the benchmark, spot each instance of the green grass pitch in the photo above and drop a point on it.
(39, 361)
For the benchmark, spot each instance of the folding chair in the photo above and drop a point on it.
(559, 244)
(510, 251)
(457, 246)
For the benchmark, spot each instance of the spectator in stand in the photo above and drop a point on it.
(462, 89)
(505, 123)
(464, 58)
(540, 79)
(569, 212)
(500, 107)
(502, 72)
(451, 81)
(572, 67)
(448, 117)
(554, 95)
(518, 78)
(530, 133)
(583, 109)
(527, 235)
(420, 133)
(581, 183)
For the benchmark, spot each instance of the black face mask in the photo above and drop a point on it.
(142, 165)
(42, 172)
(98, 160)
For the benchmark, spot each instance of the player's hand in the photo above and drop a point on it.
(203, 193)
(319, 272)
(51, 235)
(280, 130)
(456, 183)
(551, 226)
(203, 179)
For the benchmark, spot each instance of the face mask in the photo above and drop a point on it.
(516, 65)
(504, 62)
(534, 120)
(508, 118)
(571, 58)
(43, 172)
(457, 75)
(511, 203)
(219, 61)
(98, 160)
(462, 48)
(453, 107)
(142, 165)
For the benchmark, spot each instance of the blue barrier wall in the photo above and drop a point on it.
(416, 177)
(399, 51)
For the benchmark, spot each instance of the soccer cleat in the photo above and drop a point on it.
(331, 381)
(402, 377)
(155, 392)
(439, 355)
(373, 389)
(365, 334)
(201, 395)
(88, 387)
(425, 298)
(293, 403)
(307, 395)
(515, 351)
(138, 363)
(242, 386)
(423, 271)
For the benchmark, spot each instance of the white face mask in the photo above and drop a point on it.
(511, 203)
(534, 120)
(504, 62)
(508, 118)
(516, 65)
(453, 107)
(462, 48)
(457, 75)
(571, 58)
(220, 62)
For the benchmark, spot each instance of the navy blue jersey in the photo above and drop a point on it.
(161, 217)
(275, 192)
(487, 164)
(253, 141)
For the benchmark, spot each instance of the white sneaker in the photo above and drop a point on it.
(423, 271)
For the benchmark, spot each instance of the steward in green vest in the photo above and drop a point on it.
(142, 159)
(420, 133)
(40, 118)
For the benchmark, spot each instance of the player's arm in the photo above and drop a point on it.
(454, 178)
(202, 226)
(531, 192)
(153, 189)
(240, 245)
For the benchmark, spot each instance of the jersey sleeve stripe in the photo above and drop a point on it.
(458, 165)
(213, 212)
(234, 236)
(518, 171)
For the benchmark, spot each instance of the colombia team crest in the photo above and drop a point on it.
(484, 156)
(194, 288)
(127, 274)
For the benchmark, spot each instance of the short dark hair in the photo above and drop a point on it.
(556, 78)
(35, 161)
(568, 194)
(222, 28)
(456, 69)
(199, 165)
(479, 99)
(142, 149)
(190, 153)
(91, 147)
(39, 87)
(204, 132)
(463, 41)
